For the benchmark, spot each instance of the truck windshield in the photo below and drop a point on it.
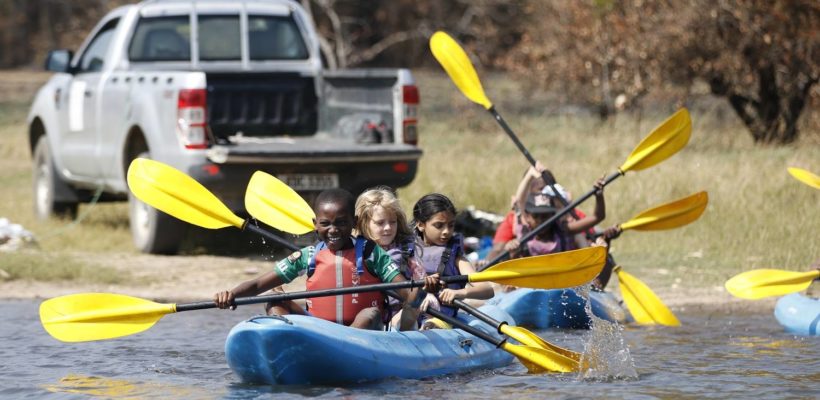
(169, 38)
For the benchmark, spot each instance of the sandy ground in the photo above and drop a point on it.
(197, 278)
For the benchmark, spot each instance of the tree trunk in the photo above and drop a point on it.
(772, 116)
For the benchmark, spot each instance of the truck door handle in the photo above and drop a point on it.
(88, 93)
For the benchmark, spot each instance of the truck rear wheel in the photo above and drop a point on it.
(47, 182)
(154, 231)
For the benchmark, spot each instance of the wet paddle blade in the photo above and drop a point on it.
(551, 271)
(177, 194)
(458, 66)
(670, 215)
(646, 308)
(760, 283)
(528, 338)
(663, 142)
(539, 360)
(97, 316)
(805, 176)
(273, 202)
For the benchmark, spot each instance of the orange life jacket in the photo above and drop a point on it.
(344, 268)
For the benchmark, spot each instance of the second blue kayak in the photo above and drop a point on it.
(558, 308)
(798, 314)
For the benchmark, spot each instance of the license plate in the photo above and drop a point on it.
(310, 181)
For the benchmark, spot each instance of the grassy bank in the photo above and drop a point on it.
(758, 216)
(61, 243)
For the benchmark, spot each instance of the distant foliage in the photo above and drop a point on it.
(762, 56)
(30, 28)
(395, 32)
(604, 54)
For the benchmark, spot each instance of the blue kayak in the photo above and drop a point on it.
(799, 314)
(558, 308)
(298, 349)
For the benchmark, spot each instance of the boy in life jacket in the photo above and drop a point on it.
(337, 260)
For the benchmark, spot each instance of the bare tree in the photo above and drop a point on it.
(763, 56)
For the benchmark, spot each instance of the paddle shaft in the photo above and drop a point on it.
(548, 180)
(478, 314)
(552, 220)
(459, 323)
(465, 327)
(249, 226)
(320, 293)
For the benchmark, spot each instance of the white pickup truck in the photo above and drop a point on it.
(217, 89)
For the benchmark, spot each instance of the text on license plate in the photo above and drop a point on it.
(310, 181)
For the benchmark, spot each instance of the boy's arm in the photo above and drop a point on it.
(253, 287)
(284, 272)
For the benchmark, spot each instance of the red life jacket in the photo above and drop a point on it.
(344, 268)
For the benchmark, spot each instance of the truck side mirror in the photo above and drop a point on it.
(59, 60)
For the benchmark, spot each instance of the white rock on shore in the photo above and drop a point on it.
(14, 237)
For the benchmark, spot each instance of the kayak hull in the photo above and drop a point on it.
(798, 314)
(304, 350)
(558, 308)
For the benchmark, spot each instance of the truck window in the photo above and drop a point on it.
(275, 38)
(161, 39)
(219, 37)
(92, 58)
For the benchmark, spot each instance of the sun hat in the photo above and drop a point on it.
(547, 190)
(539, 203)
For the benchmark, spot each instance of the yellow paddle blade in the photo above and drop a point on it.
(760, 283)
(551, 271)
(273, 202)
(646, 308)
(97, 316)
(177, 194)
(530, 339)
(541, 360)
(663, 142)
(805, 176)
(670, 215)
(458, 66)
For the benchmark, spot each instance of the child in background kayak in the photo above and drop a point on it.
(442, 253)
(381, 219)
(536, 208)
(362, 262)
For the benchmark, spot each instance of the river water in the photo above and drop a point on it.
(714, 354)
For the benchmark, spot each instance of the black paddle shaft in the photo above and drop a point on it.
(465, 327)
(459, 323)
(549, 180)
(478, 314)
(552, 219)
(320, 293)
(250, 226)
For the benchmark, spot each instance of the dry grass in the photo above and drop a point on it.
(758, 216)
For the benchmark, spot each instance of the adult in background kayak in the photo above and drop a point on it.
(337, 260)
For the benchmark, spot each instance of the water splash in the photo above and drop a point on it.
(606, 356)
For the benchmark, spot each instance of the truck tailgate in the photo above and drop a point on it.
(316, 150)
